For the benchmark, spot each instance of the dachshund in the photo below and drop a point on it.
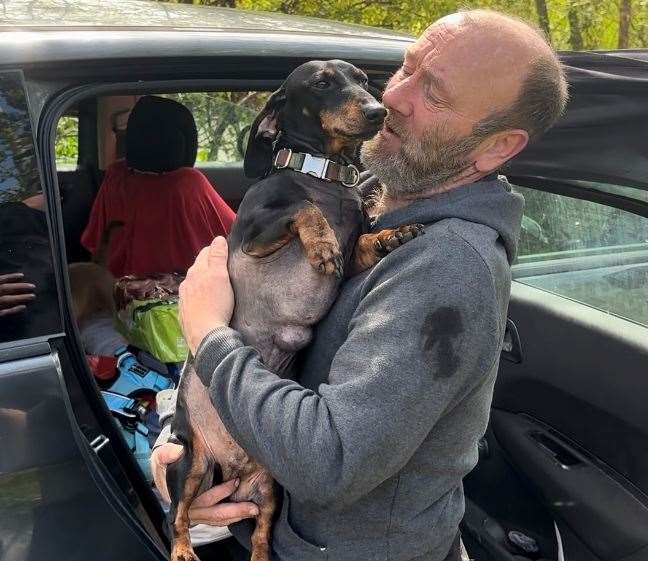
(298, 231)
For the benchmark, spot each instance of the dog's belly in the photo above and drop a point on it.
(278, 300)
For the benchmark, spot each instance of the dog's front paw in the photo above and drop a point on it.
(326, 257)
(388, 240)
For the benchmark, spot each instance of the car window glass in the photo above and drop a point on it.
(223, 120)
(66, 146)
(28, 297)
(585, 251)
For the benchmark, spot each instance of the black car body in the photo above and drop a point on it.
(565, 460)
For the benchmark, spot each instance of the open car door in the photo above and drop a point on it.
(67, 482)
(563, 470)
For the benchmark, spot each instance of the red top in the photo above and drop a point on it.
(168, 218)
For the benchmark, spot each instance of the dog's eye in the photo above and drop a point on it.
(321, 84)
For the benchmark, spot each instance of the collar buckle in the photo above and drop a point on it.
(315, 166)
(282, 158)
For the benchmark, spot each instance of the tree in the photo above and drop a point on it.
(569, 24)
(543, 17)
(625, 15)
(575, 35)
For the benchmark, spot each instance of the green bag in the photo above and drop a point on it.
(154, 326)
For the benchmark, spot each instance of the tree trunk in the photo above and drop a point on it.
(289, 6)
(625, 15)
(543, 17)
(575, 35)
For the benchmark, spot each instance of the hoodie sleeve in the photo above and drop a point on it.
(425, 332)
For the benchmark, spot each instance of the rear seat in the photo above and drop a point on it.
(78, 190)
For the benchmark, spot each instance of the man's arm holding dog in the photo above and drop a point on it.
(422, 337)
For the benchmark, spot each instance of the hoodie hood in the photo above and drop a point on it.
(490, 202)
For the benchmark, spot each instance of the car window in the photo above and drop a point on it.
(223, 120)
(66, 146)
(585, 251)
(28, 296)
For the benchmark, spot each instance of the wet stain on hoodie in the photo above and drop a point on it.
(440, 329)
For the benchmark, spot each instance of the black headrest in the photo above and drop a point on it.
(160, 136)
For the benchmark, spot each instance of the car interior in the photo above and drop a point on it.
(563, 468)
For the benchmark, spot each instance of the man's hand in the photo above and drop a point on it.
(206, 508)
(161, 457)
(14, 295)
(206, 296)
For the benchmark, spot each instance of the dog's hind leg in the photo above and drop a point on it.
(184, 479)
(264, 497)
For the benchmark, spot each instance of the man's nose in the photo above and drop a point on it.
(396, 96)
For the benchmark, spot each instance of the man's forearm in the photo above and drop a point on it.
(283, 425)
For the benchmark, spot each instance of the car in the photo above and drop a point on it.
(563, 466)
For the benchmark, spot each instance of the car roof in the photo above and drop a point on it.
(150, 15)
(42, 32)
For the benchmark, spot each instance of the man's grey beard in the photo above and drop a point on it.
(419, 164)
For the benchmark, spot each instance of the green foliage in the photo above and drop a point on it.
(222, 119)
(67, 141)
(571, 25)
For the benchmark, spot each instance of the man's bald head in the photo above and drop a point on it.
(472, 91)
(521, 53)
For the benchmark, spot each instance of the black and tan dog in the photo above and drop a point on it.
(297, 232)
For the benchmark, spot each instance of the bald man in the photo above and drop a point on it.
(371, 443)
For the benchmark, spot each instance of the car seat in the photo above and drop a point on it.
(161, 136)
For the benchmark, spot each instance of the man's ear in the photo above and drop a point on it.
(499, 149)
(264, 131)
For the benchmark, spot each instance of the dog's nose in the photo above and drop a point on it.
(374, 112)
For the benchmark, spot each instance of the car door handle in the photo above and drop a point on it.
(564, 457)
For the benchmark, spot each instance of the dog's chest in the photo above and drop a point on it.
(344, 212)
(280, 296)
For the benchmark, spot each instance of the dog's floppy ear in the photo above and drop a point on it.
(264, 131)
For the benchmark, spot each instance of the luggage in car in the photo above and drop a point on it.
(147, 311)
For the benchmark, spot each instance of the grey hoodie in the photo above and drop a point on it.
(371, 443)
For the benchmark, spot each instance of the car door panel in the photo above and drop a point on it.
(52, 508)
(584, 372)
(568, 438)
(605, 514)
